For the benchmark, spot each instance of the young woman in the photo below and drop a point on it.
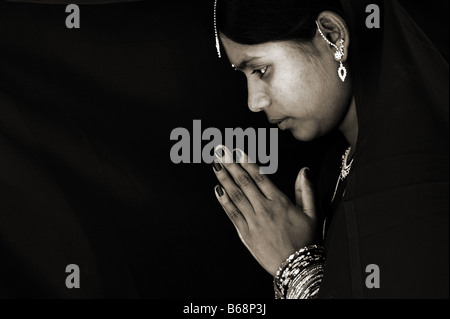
(379, 226)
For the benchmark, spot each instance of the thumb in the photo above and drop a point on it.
(304, 194)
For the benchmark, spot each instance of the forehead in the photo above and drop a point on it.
(237, 53)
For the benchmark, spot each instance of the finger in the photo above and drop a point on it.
(241, 178)
(231, 210)
(264, 184)
(233, 191)
(304, 194)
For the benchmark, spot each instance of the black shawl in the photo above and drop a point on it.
(394, 213)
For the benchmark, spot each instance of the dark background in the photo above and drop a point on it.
(86, 176)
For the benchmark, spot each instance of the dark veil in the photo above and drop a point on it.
(395, 210)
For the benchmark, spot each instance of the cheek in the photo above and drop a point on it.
(322, 94)
(302, 97)
(291, 93)
(311, 94)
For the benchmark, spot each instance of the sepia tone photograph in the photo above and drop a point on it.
(224, 154)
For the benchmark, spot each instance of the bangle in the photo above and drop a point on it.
(299, 277)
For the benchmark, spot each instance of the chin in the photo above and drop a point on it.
(304, 136)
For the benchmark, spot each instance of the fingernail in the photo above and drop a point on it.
(217, 167)
(220, 153)
(237, 155)
(307, 173)
(219, 191)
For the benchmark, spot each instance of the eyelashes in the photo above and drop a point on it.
(261, 72)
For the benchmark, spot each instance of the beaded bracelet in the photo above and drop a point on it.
(299, 277)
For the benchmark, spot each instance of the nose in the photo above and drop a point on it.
(257, 98)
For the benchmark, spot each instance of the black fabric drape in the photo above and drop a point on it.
(395, 210)
(85, 171)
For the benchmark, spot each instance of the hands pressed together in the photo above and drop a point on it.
(268, 223)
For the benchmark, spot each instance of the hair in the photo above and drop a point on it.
(260, 21)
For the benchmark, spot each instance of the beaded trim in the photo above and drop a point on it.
(216, 34)
(345, 169)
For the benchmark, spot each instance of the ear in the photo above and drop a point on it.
(334, 28)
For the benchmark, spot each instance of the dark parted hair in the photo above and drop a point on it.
(260, 21)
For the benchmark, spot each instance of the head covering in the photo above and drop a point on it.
(395, 210)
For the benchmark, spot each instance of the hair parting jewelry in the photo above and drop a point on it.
(338, 55)
(215, 30)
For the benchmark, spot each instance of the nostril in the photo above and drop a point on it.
(259, 103)
(253, 108)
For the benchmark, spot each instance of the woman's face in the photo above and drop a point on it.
(297, 89)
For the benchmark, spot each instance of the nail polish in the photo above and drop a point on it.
(219, 190)
(307, 173)
(219, 153)
(237, 155)
(217, 167)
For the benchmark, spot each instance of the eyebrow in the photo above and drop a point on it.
(244, 64)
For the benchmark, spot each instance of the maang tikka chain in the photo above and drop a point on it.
(215, 30)
(342, 71)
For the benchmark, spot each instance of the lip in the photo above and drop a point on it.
(280, 122)
(276, 121)
(283, 124)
